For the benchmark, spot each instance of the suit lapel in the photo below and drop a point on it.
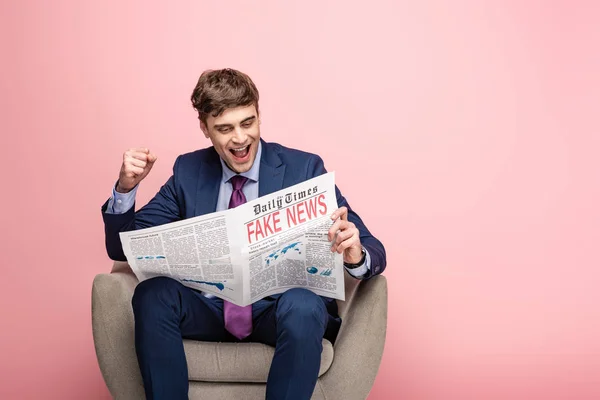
(209, 181)
(271, 171)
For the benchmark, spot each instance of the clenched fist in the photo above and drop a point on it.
(137, 163)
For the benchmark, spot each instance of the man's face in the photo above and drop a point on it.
(235, 134)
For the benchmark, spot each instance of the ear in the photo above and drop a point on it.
(204, 129)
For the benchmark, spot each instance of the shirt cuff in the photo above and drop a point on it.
(363, 269)
(120, 203)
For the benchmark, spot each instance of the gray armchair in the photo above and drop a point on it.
(239, 370)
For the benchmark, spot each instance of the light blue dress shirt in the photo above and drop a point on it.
(120, 203)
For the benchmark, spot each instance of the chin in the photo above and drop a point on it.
(240, 169)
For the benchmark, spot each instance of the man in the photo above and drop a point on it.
(239, 167)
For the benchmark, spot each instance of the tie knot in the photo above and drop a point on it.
(238, 181)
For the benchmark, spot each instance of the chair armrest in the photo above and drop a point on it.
(113, 330)
(359, 346)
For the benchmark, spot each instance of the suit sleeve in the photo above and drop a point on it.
(163, 208)
(375, 248)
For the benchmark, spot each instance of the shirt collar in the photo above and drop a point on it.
(251, 174)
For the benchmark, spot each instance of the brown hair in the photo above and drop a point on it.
(218, 90)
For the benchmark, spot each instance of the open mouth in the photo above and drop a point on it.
(240, 153)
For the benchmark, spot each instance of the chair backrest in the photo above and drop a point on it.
(122, 266)
(350, 286)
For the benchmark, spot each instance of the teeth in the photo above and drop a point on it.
(240, 149)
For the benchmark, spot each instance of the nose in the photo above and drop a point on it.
(239, 135)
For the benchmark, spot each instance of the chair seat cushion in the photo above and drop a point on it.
(237, 362)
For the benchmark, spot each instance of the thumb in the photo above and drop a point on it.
(151, 158)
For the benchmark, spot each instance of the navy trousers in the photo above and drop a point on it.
(166, 311)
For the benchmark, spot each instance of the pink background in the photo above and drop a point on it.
(465, 133)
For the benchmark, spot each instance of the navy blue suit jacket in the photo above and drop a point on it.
(193, 190)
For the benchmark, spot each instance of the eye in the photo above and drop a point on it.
(224, 129)
(247, 124)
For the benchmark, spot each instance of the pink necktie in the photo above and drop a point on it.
(238, 320)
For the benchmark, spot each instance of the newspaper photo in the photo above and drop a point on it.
(263, 247)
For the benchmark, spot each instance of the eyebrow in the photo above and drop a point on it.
(231, 125)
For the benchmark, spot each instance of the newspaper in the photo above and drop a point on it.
(260, 248)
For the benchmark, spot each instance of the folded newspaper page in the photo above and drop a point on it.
(263, 247)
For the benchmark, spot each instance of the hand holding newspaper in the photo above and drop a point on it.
(263, 247)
